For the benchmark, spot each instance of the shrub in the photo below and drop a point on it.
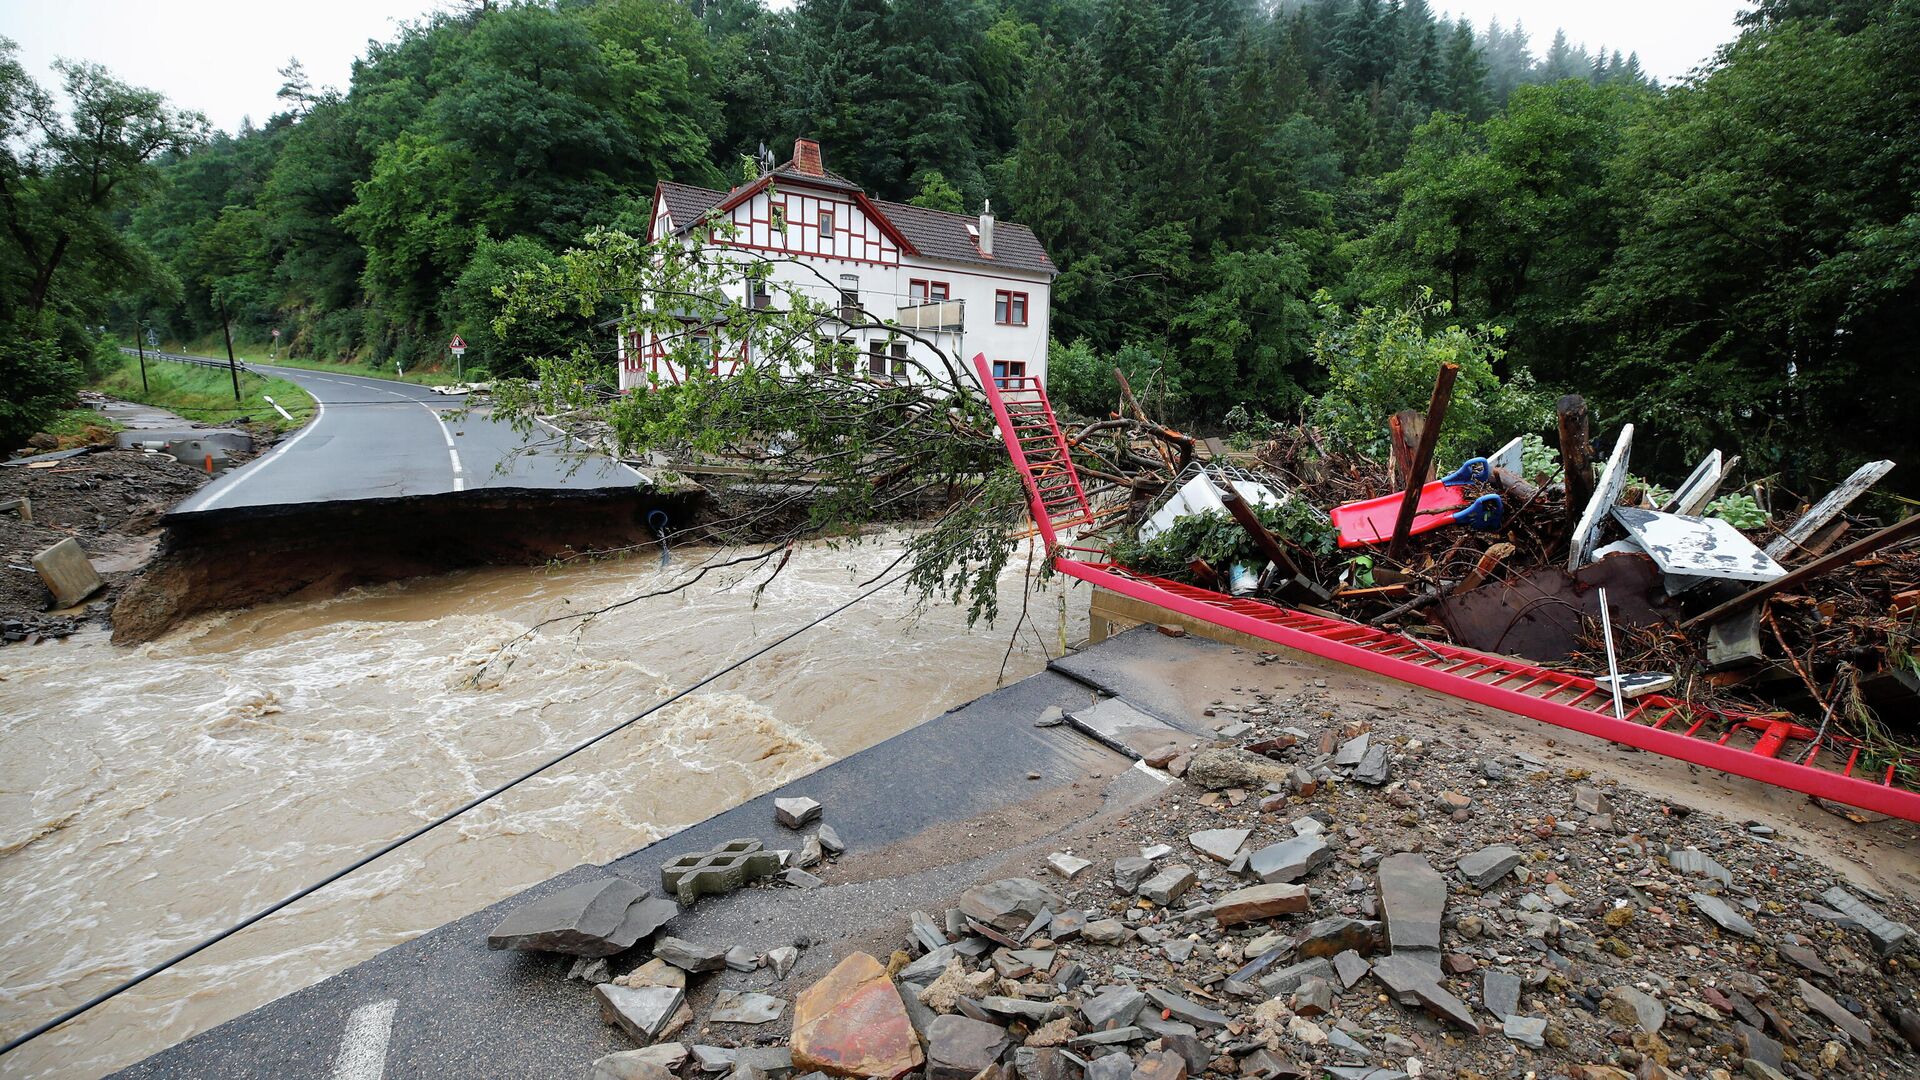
(39, 379)
(1381, 360)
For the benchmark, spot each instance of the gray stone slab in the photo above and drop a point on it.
(1526, 1030)
(1288, 979)
(1699, 864)
(690, 956)
(1350, 967)
(1413, 983)
(1129, 872)
(588, 919)
(744, 1007)
(1888, 936)
(1113, 1007)
(67, 573)
(1485, 868)
(1169, 885)
(1289, 860)
(1723, 915)
(1500, 992)
(1413, 896)
(958, 1048)
(1180, 1008)
(1009, 904)
(1124, 728)
(1374, 769)
(795, 812)
(1821, 1002)
(1220, 845)
(643, 1011)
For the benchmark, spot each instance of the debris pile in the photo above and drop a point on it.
(1329, 898)
(1512, 554)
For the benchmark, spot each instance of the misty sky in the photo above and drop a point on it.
(221, 56)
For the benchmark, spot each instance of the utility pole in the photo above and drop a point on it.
(226, 328)
(141, 347)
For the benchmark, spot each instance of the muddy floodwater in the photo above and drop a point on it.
(151, 796)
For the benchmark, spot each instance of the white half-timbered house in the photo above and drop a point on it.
(967, 283)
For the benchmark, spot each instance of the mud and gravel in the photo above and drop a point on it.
(111, 502)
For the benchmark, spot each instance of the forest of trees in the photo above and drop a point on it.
(1727, 261)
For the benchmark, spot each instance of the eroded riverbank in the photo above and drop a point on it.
(151, 795)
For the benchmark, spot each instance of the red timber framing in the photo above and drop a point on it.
(860, 232)
(1770, 748)
(650, 357)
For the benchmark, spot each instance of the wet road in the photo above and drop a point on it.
(380, 439)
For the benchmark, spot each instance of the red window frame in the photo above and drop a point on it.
(826, 224)
(924, 291)
(1009, 308)
(1009, 369)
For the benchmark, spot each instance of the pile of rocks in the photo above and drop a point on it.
(599, 920)
(1294, 910)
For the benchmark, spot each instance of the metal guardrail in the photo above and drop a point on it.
(182, 358)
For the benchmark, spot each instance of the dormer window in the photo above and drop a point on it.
(826, 225)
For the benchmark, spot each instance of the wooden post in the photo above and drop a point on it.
(1263, 540)
(1422, 458)
(233, 369)
(1576, 456)
(1406, 427)
(141, 348)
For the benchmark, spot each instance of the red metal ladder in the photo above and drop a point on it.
(1039, 450)
(1765, 747)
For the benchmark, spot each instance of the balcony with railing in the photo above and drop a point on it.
(934, 316)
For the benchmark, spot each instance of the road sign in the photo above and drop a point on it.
(276, 331)
(458, 345)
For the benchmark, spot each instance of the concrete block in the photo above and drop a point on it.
(69, 576)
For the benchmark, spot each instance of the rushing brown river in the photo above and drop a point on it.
(152, 796)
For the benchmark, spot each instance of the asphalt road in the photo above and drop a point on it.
(379, 439)
(443, 1005)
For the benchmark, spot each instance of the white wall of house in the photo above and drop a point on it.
(859, 252)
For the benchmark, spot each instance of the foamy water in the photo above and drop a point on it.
(152, 796)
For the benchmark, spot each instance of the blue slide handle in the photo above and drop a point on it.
(1474, 471)
(1484, 513)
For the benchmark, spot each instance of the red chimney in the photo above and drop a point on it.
(806, 157)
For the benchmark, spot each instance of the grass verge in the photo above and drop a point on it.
(205, 394)
(258, 354)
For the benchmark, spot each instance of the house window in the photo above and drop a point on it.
(1010, 308)
(849, 297)
(900, 360)
(843, 356)
(758, 298)
(826, 224)
(1009, 369)
(920, 291)
(777, 214)
(877, 358)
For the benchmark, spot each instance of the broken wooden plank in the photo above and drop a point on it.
(1576, 456)
(1866, 545)
(1423, 457)
(1490, 561)
(1406, 427)
(1694, 550)
(1697, 490)
(1828, 508)
(1606, 493)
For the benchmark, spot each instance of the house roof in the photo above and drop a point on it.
(934, 234)
(940, 235)
(686, 204)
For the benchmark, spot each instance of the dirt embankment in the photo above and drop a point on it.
(111, 502)
(213, 561)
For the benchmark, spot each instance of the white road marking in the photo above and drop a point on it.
(251, 471)
(363, 1045)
